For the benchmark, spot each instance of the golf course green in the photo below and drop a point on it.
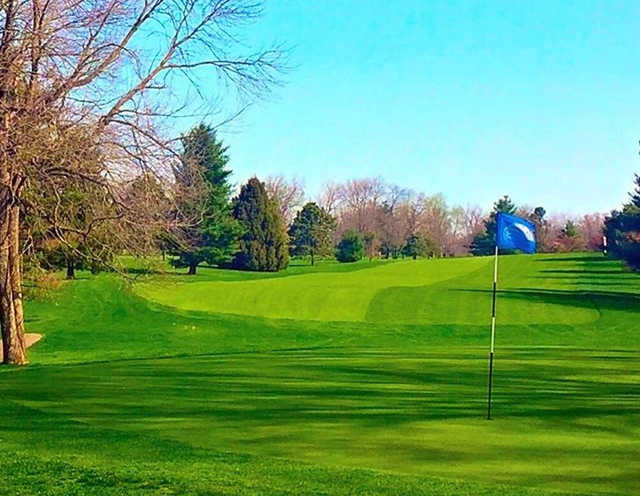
(350, 379)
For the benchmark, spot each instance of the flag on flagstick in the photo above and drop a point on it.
(512, 233)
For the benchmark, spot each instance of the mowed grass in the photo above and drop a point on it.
(558, 292)
(200, 394)
(332, 296)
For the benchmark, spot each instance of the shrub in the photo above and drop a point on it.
(418, 246)
(350, 248)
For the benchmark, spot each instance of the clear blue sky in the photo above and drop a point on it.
(536, 99)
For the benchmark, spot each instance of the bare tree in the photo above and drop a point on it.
(414, 213)
(473, 224)
(329, 197)
(391, 229)
(360, 200)
(289, 193)
(98, 68)
(591, 228)
(457, 242)
(553, 232)
(437, 222)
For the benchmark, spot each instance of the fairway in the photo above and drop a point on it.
(367, 378)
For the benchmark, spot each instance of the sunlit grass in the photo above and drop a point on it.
(128, 396)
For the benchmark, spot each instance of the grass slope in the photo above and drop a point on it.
(130, 396)
(560, 293)
(321, 296)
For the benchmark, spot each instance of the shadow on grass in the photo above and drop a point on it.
(594, 258)
(325, 389)
(583, 272)
(610, 300)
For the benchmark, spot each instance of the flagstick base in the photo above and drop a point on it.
(490, 385)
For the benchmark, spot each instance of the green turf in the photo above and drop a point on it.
(332, 296)
(377, 391)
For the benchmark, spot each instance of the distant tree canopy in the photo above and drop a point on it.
(207, 231)
(311, 232)
(485, 242)
(350, 248)
(264, 244)
(569, 238)
(418, 246)
(622, 229)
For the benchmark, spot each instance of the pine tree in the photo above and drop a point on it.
(622, 229)
(484, 243)
(311, 232)
(350, 248)
(264, 244)
(635, 195)
(207, 232)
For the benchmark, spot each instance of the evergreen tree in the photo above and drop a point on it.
(485, 243)
(201, 146)
(264, 244)
(418, 246)
(635, 195)
(311, 232)
(570, 230)
(207, 232)
(350, 248)
(78, 241)
(622, 229)
(569, 239)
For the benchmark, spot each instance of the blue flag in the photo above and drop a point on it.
(515, 233)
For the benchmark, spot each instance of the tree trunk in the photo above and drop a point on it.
(313, 258)
(192, 269)
(71, 268)
(11, 311)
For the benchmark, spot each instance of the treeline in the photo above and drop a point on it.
(269, 221)
(195, 217)
(395, 221)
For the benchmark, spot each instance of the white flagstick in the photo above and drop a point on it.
(493, 330)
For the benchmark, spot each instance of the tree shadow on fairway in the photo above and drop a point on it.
(609, 300)
(324, 388)
(595, 258)
(582, 272)
(620, 283)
